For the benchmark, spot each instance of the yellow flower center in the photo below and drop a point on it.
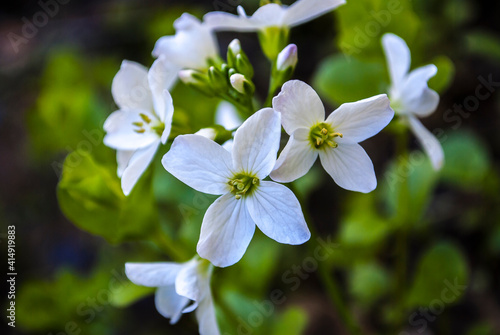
(322, 136)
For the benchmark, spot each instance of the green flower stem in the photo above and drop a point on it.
(403, 218)
(169, 247)
(273, 85)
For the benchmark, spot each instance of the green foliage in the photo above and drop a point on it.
(464, 153)
(346, 79)
(363, 228)
(368, 283)
(68, 107)
(90, 195)
(293, 321)
(441, 274)
(362, 23)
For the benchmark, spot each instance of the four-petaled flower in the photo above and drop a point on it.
(191, 47)
(410, 95)
(334, 140)
(271, 15)
(247, 200)
(143, 120)
(179, 284)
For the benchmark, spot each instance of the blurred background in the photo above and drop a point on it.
(435, 272)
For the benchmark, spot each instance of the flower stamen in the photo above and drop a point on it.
(243, 184)
(322, 134)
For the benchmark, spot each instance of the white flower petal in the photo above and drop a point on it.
(186, 283)
(270, 15)
(130, 88)
(296, 159)
(121, 134)
(153, 274)
(168, 116)
(228, 145)
(192, 45)
(122, 159)
(416, 95)
(226, 231)
(277, 213)
(360, 120)
(161, 78)
(169, 304)
(306, 10)
(350, 167)
(299, 105)
(137, 165)
(256, 143)
(398, 58)
(199, 163)
(227, 116)
(221, 21)
(429, 142)
(205, 314)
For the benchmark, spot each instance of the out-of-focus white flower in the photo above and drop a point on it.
(335, 140)
(410, 95)
(143, 120)
(192, 45)
(179, 284)
(247, 200)
(271, 15)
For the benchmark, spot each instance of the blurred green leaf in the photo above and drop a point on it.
(467, 161)
(417, 174)
(441, 275)
(484, 43)
(90, 195)
(446, 72)
(291, 322)
(362, 226)
(130, 294)
(368, 283)
(363, 22)
(481, 329)
(68, 114)
(341, 79)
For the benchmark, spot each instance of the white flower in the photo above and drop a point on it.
(410, 95)
(334, 140)
(271, 15)
(247, 200)
(288, 58)
(179, 284)
(192, 45)
(143, 120)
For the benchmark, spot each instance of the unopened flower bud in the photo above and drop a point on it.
(287, 58)
(241, 84)
(235, 46)
(197, 80)
(187, 76)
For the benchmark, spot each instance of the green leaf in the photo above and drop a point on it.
(341, 79)
(417, 174)
(90, 195)
(129, 294)
(368, 283)
(363, 22)
(483, 43)
(441, 275)
(291, 322)
(467, 160)
(362, 226)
